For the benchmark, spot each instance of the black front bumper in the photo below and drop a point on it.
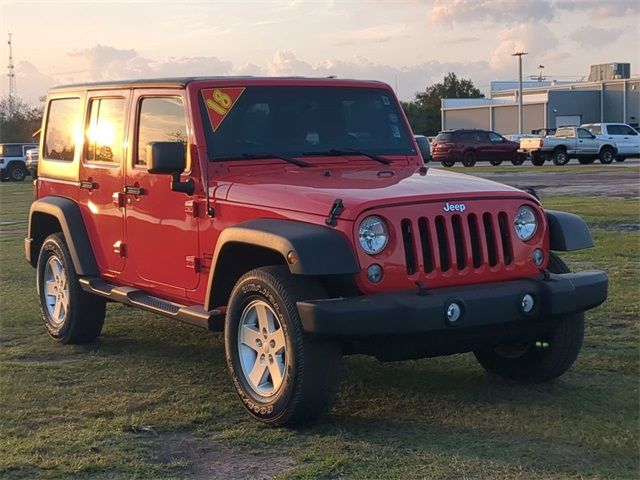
(483, 305)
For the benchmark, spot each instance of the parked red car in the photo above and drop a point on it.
(471, 146)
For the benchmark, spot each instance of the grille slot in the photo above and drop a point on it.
(505, 237)
(458, 238)
(409, 246)
(491, 240)
(474, 234)
(443, 249)
(425, 243)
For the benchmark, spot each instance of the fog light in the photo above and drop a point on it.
(527, 303)
(454, 312)
(374, 273)
(537, 257)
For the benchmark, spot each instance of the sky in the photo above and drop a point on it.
(409, 44)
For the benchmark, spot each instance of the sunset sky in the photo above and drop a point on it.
(412, 42)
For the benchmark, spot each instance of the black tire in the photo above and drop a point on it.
(538, 160)
(448, 163)
(469, 159)
(82, 320)
(560, 157)
(518, 160)
(16, 172)
(606, 155)
(586, 160)
(495, 163)
(544, 359)
(620, 159)
(311, 365)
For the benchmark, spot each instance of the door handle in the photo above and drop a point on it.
(131, 190)
(87, 184)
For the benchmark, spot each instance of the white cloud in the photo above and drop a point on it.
(598, 9)
(594, 37)
(536, 40)
(495, 11)
(374, 34)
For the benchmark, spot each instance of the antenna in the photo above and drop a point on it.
(13, 90)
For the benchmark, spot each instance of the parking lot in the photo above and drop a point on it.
(151, 399)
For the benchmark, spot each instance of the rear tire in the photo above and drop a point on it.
(518, 160)
(282, 375)
(560, 157)
(70, 314)
(606, 156)
(541, 360)
(538, 160)
(469, 159)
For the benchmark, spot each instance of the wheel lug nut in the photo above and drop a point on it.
(259, 342)
(272, 343)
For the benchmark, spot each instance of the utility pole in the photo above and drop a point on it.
(520, 118)
(13, 90)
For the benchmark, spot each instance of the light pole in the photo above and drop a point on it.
(520, 118)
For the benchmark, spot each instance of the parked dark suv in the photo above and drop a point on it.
(470, 146)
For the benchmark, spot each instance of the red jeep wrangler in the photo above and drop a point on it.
(297, 216)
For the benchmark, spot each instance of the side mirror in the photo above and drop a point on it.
(169, 158)
(423, 147)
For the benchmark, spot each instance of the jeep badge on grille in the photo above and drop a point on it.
(454, 207)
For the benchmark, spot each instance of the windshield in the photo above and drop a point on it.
(262, 121)
(444, 136)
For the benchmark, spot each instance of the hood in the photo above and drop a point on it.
(313, 190)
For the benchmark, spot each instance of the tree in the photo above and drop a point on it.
(424, 112)
(19, 127)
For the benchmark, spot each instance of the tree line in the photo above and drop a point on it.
(423, 111)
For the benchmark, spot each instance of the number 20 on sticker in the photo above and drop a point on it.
(220, 102)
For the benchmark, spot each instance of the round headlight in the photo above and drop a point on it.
(373, 235)
(525, 223)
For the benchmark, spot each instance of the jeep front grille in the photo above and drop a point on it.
(459, 242)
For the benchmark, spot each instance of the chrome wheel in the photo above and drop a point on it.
(262, 348)
(56, 291)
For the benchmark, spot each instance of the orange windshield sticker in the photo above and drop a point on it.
(219, 102)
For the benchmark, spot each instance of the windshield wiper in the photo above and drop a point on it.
(334, 152)
(261, 156)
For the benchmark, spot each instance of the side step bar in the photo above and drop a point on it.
(194, 315)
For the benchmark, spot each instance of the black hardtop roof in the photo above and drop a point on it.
(181, 82)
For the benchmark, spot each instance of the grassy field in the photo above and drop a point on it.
(151, 399)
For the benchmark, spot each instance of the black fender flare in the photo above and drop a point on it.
(67, 213)
(567, 232)
(320, 250)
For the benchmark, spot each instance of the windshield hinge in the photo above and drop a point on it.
(334, 213)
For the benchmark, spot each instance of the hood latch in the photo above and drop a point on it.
(334, 213)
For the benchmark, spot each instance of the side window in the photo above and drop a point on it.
(629, 131)
(494, 137)
(584, 133)
(161, 119)
(62, 130)
(105, 130)
(615, 130)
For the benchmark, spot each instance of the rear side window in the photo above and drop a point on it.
(160, 120)
(594, 129)
(444, 137)
(11, 150)
(104, 135)
(63, 128)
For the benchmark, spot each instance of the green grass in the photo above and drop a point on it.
(109, 409)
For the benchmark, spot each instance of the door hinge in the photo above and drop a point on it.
(191, 208)
(119, 248)
(193, 263)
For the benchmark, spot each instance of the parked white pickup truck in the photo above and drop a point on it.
(568, 143)
(626, 138)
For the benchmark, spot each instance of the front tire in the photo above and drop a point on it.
(70, 314)
(543, 359)
(16, 172)
(282, 376)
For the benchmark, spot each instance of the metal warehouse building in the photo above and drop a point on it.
(547, 106)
